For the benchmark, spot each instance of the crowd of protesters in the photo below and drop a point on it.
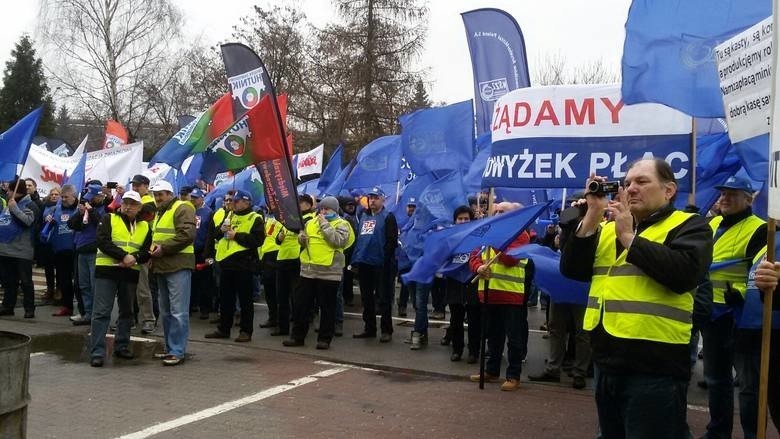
(659, 277)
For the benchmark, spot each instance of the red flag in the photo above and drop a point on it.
(266, 142)
(116, 135)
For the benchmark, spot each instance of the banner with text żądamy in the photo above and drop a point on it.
(556, 136)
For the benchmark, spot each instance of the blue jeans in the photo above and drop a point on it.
(174, 294)
(637, 405)
(718, 341)
(105, 290)
(510, 323)
(420, 292)
(86, 273)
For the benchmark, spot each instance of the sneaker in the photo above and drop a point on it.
(159, 355)
(338, 329)
(172, 360)
(578, 383)
(488, 378)
(323, 345)
(386, 337)
(217, 334)
(124, 353)
(291, 342)
(510, 384)
(455, 356)
(147, 327)
(243, 337)
(96, 362)
(545, 377)
(75, 317)
(29, 314)
(418, 341)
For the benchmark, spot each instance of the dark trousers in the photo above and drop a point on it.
(405, 295)
(376, 291)
(718, 343)
(236, 283)
(105, 291)
(458, 312)
(324, 292)
(748, 367)
(287, 279)
(17, 271)
(63, 264)
(439, 294)
(203, 286)
(566, 325)
(347, 292)
(507, 323)
(641, 406)
(268, 279)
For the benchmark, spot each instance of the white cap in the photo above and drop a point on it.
(162, 185)
(132, 195)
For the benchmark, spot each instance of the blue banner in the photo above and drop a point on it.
(567, 162)
(668, 54)
(332, 169)
(378, 162)
(336, 187)
(15, 143)
(498, 59)
(443, 196)
(441, 138)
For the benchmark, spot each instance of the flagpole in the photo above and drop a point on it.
(766, 336)
(563, 200)
(483, 328)
(692, 194)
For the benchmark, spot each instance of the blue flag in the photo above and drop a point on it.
(249, 180)
(754, 154)
(472, 181)
(668, 52)
(15, 143)
(450, 245)
(192, 174)
(548, 277)
(78, 177)
(439, 138)
(332, 169)
(443, 196)
(498, 59)
(309, 187)
(335, 188)
(378, 162)
(411, 194)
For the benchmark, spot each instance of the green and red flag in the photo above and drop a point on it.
(198, 134)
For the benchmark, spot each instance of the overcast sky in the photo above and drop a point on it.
(580, 31)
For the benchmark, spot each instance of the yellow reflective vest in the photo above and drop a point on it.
(148, 199)
(732, 244)
(164, 228)
(130, 240)
(241, 224)
(320, 252)
(272, 227)
(629, 303)
(503, 278)
(290, 248)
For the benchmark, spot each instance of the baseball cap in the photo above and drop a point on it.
(412, 202)
(140, 179)
(197, 193)
(131, 195)
(92, 191)
(242, 195)
(737, 184)
(306, 198)
(376, 190)
(184, 190)
(162, 185)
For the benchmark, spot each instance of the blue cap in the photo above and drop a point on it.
(92, 191)
(412, 202)
(242, 195)
(737, 184)
(197, 193)
(376, 190)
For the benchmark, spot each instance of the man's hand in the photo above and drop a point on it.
(230, 234)
(766, 276)
(624, 222)
(11, 203)
(483, 271)
(49, 218)
(128, 261)
(596, 206)
(303, 238)
(155, 250)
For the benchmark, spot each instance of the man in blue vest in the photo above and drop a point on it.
(374, 257)
(643, 266)
(17, 222)
(738, 235)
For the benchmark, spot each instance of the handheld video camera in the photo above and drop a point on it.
(603, 188)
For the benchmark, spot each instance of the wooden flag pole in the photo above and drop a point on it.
(692, 194)
(766, 335)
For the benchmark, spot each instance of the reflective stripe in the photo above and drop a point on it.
(626, 270)
(739, 269)
(600, 271)
(648, 308)
(720, 284)
(165, 230)
(507, 277)
(593, 302)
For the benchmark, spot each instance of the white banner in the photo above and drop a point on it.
(117, 164)
(744, 69)
(580, 111)
(773, 183)
(310, 162)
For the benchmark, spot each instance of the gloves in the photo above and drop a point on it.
(732, 296)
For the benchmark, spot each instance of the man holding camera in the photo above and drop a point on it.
(643, 265)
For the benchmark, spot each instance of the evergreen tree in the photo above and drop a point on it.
(24, 89)
(420, 99)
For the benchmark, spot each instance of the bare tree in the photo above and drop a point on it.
(106, 54)
(554, 70)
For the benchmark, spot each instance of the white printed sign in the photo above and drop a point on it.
(744, 69)
(310, 162)
(773, 182)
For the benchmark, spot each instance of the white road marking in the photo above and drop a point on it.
(698, 408)
(37, 354)
(230, 405)
(134, 338)
(348, 366)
